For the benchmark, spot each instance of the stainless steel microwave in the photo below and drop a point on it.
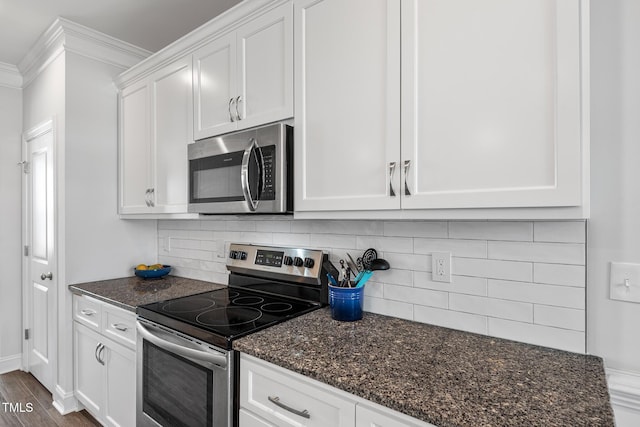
(242, 172)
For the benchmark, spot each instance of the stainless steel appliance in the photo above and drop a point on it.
(187, 370)
(242, 172)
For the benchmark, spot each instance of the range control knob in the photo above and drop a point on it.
(287, 260)
(297, 261)
(233, 254)
(308, 262)
(242, 255)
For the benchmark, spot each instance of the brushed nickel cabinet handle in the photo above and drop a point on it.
(276, 400)
(48, 275)
(238, 99)
(119, 326)
(229, 109)
(392, 169)
(407, 163)
(87, 312)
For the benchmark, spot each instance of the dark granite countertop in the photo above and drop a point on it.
(130, 292)
(438, 375)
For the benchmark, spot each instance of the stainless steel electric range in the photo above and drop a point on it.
(187, 370)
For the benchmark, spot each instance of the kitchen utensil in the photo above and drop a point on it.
(366, 275)
(354, 266)
(332, 280)
(367, 257)
(379, 264)
(359, 264)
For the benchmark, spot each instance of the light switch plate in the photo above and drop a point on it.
(624, 282)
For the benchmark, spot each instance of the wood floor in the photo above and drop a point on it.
(20, 391)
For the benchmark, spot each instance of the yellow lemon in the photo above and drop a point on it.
(141, 267)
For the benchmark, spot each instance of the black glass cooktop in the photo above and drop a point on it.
(220, 316)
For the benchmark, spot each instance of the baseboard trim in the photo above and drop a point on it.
(64, 402)
(10, 363)
(624, 389)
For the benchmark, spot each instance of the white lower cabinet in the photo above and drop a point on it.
(274, 396)
(105, 364)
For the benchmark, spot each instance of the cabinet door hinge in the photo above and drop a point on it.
(26, 334)
(26, 250)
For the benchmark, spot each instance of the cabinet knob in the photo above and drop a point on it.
(48, 275)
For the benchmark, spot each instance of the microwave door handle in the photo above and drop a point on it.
(253, 204)
(216, 359)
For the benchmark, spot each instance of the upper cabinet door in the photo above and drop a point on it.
(215, 87)
(265, 66)
(135, 152)
(172, 132)
(491, 103)
(347, 104)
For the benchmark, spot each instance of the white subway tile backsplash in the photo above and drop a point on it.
(415, 228)
(457, 247)
(409, 261)
(492, 230)
(426, 297)
(559, 317)
(274, 226)
(520, 280)
(560, 296)
(559, 274)
(492, 269)
(491, 307)
(562, 339)
(556, 253)
(451, 319)
(384, 244)
(387, 307)
(394, 276)
(459, 284)
(559, 231)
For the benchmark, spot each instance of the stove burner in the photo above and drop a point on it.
(232, 295)
(187, 306)
(229, 316)
(276, 307)
(248, 300)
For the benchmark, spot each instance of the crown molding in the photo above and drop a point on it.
(224, 23)
(10, 76)
(64, 35)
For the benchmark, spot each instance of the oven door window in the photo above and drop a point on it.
(216, 178)
(176, 391)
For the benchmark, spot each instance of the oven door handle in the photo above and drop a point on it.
(217, 359)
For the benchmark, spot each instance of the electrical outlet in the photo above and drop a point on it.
(441, 267)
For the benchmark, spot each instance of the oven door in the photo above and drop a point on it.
(181, 381)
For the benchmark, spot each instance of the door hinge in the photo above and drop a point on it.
(26, 334)
(26, 250)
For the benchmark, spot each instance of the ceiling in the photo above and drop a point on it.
(149, 24)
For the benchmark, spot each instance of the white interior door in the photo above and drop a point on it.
(41, 274)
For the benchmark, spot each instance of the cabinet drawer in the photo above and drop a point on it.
(289, 399)
(87, 311)
(119, 325)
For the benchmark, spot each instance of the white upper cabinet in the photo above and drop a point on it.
(347, 109)
(245, 78)
(155, 128)
(448, 104)
(491, 103)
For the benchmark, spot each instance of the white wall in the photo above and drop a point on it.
(614, 228)
(518, 280)
(10, 236)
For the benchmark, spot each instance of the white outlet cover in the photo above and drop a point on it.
(618, 290)
(441, 267)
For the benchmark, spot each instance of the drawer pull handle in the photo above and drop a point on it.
(276, 400)
(87, 312)
(119, 326)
